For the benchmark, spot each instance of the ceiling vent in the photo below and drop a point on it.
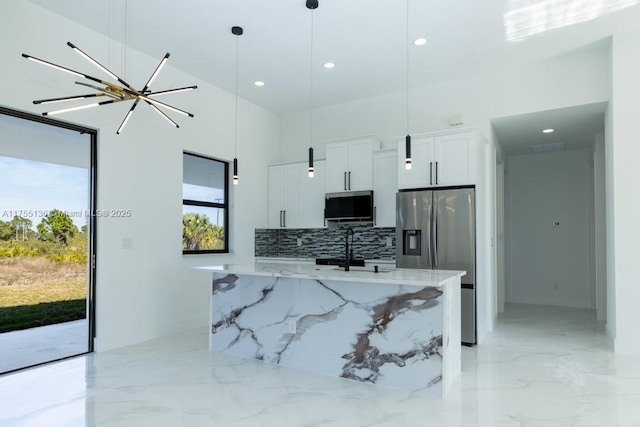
(544, 148)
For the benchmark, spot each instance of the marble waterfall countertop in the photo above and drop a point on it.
(397, 328)
(386, 274)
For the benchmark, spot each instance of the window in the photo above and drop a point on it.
(205, 205)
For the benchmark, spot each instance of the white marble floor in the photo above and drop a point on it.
(42, 344)
(542, 366)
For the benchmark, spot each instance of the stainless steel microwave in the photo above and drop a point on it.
(349, 206)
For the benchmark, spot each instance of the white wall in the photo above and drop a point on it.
(600, 224)
(576, 79)
(147, 291)
(623, 204)
(550, 265)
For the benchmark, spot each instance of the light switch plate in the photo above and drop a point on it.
(127, 243)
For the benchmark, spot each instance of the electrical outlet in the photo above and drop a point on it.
(299, 241)
(127, 243)
(556, 223)
(389, 241)
(292, 327)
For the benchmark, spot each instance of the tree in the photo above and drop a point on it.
(57, 226)
(20, 227)
(6, 232)
(199, 234)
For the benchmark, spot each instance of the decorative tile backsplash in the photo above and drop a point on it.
(368, 242)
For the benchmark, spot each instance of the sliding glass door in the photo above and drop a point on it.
(47, 182)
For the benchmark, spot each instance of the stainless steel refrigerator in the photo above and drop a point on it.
(435, 229)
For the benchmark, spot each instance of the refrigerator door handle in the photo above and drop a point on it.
(434, 233)
(430, 173)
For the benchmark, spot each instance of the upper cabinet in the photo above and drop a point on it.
(438, 161)
(312, 195)
(295, 200)
(284, 202)
(385, 187)
(350, 165)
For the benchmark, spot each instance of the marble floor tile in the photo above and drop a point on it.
(542, 366)
(43, 344)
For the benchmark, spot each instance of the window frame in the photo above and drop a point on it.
(224, 206)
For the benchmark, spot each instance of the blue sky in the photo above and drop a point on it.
(36, 186)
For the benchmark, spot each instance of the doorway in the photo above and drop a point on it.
(553, 204)
(47, 239)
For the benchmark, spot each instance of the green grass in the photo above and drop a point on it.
(35, 291)
(44, 313)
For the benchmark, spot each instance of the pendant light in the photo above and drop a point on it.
(407, 139)
(236, 31)
(311, 5)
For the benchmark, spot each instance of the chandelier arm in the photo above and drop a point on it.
(67, 98)
(126, 118)
(81, 107)
(164, 92)
(98, 65)
(155, 72)
(162, 113)
(162, 104)
(61, 68)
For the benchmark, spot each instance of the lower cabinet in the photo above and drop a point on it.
(295, 200)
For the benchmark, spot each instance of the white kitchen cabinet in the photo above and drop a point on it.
(312, 195)
(295, 200)
(350, 165)
(422, 159)
(284, 201)
(438, 160)
(385, 187)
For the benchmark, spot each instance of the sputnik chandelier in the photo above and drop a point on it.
(116, 92)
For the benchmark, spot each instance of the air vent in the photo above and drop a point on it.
(544, 148)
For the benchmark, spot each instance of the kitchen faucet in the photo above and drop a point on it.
(348, 255)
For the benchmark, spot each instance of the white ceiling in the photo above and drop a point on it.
(573, 126)
(365, 38)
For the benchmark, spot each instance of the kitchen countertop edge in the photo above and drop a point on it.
(307, 270)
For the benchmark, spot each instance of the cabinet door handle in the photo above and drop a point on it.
(375, 214)
(284, 218)
(280, 218)
(430, 173)
(345, 181)
(349, 180)
(436, 173)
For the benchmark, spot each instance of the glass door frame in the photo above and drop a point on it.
(93, 178)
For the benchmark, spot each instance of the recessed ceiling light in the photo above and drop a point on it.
(420, 42)
(548, 130)
(329, 65)
(258, 83)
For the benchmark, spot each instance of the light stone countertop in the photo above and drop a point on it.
(387, 275)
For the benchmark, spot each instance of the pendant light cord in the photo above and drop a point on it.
(235, 149)
(311, 87)
(407, 71)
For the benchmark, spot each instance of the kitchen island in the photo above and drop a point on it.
(398, 328)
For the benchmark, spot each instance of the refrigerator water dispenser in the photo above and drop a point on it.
(411, 242)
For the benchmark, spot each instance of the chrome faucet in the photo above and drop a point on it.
(348, 254)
